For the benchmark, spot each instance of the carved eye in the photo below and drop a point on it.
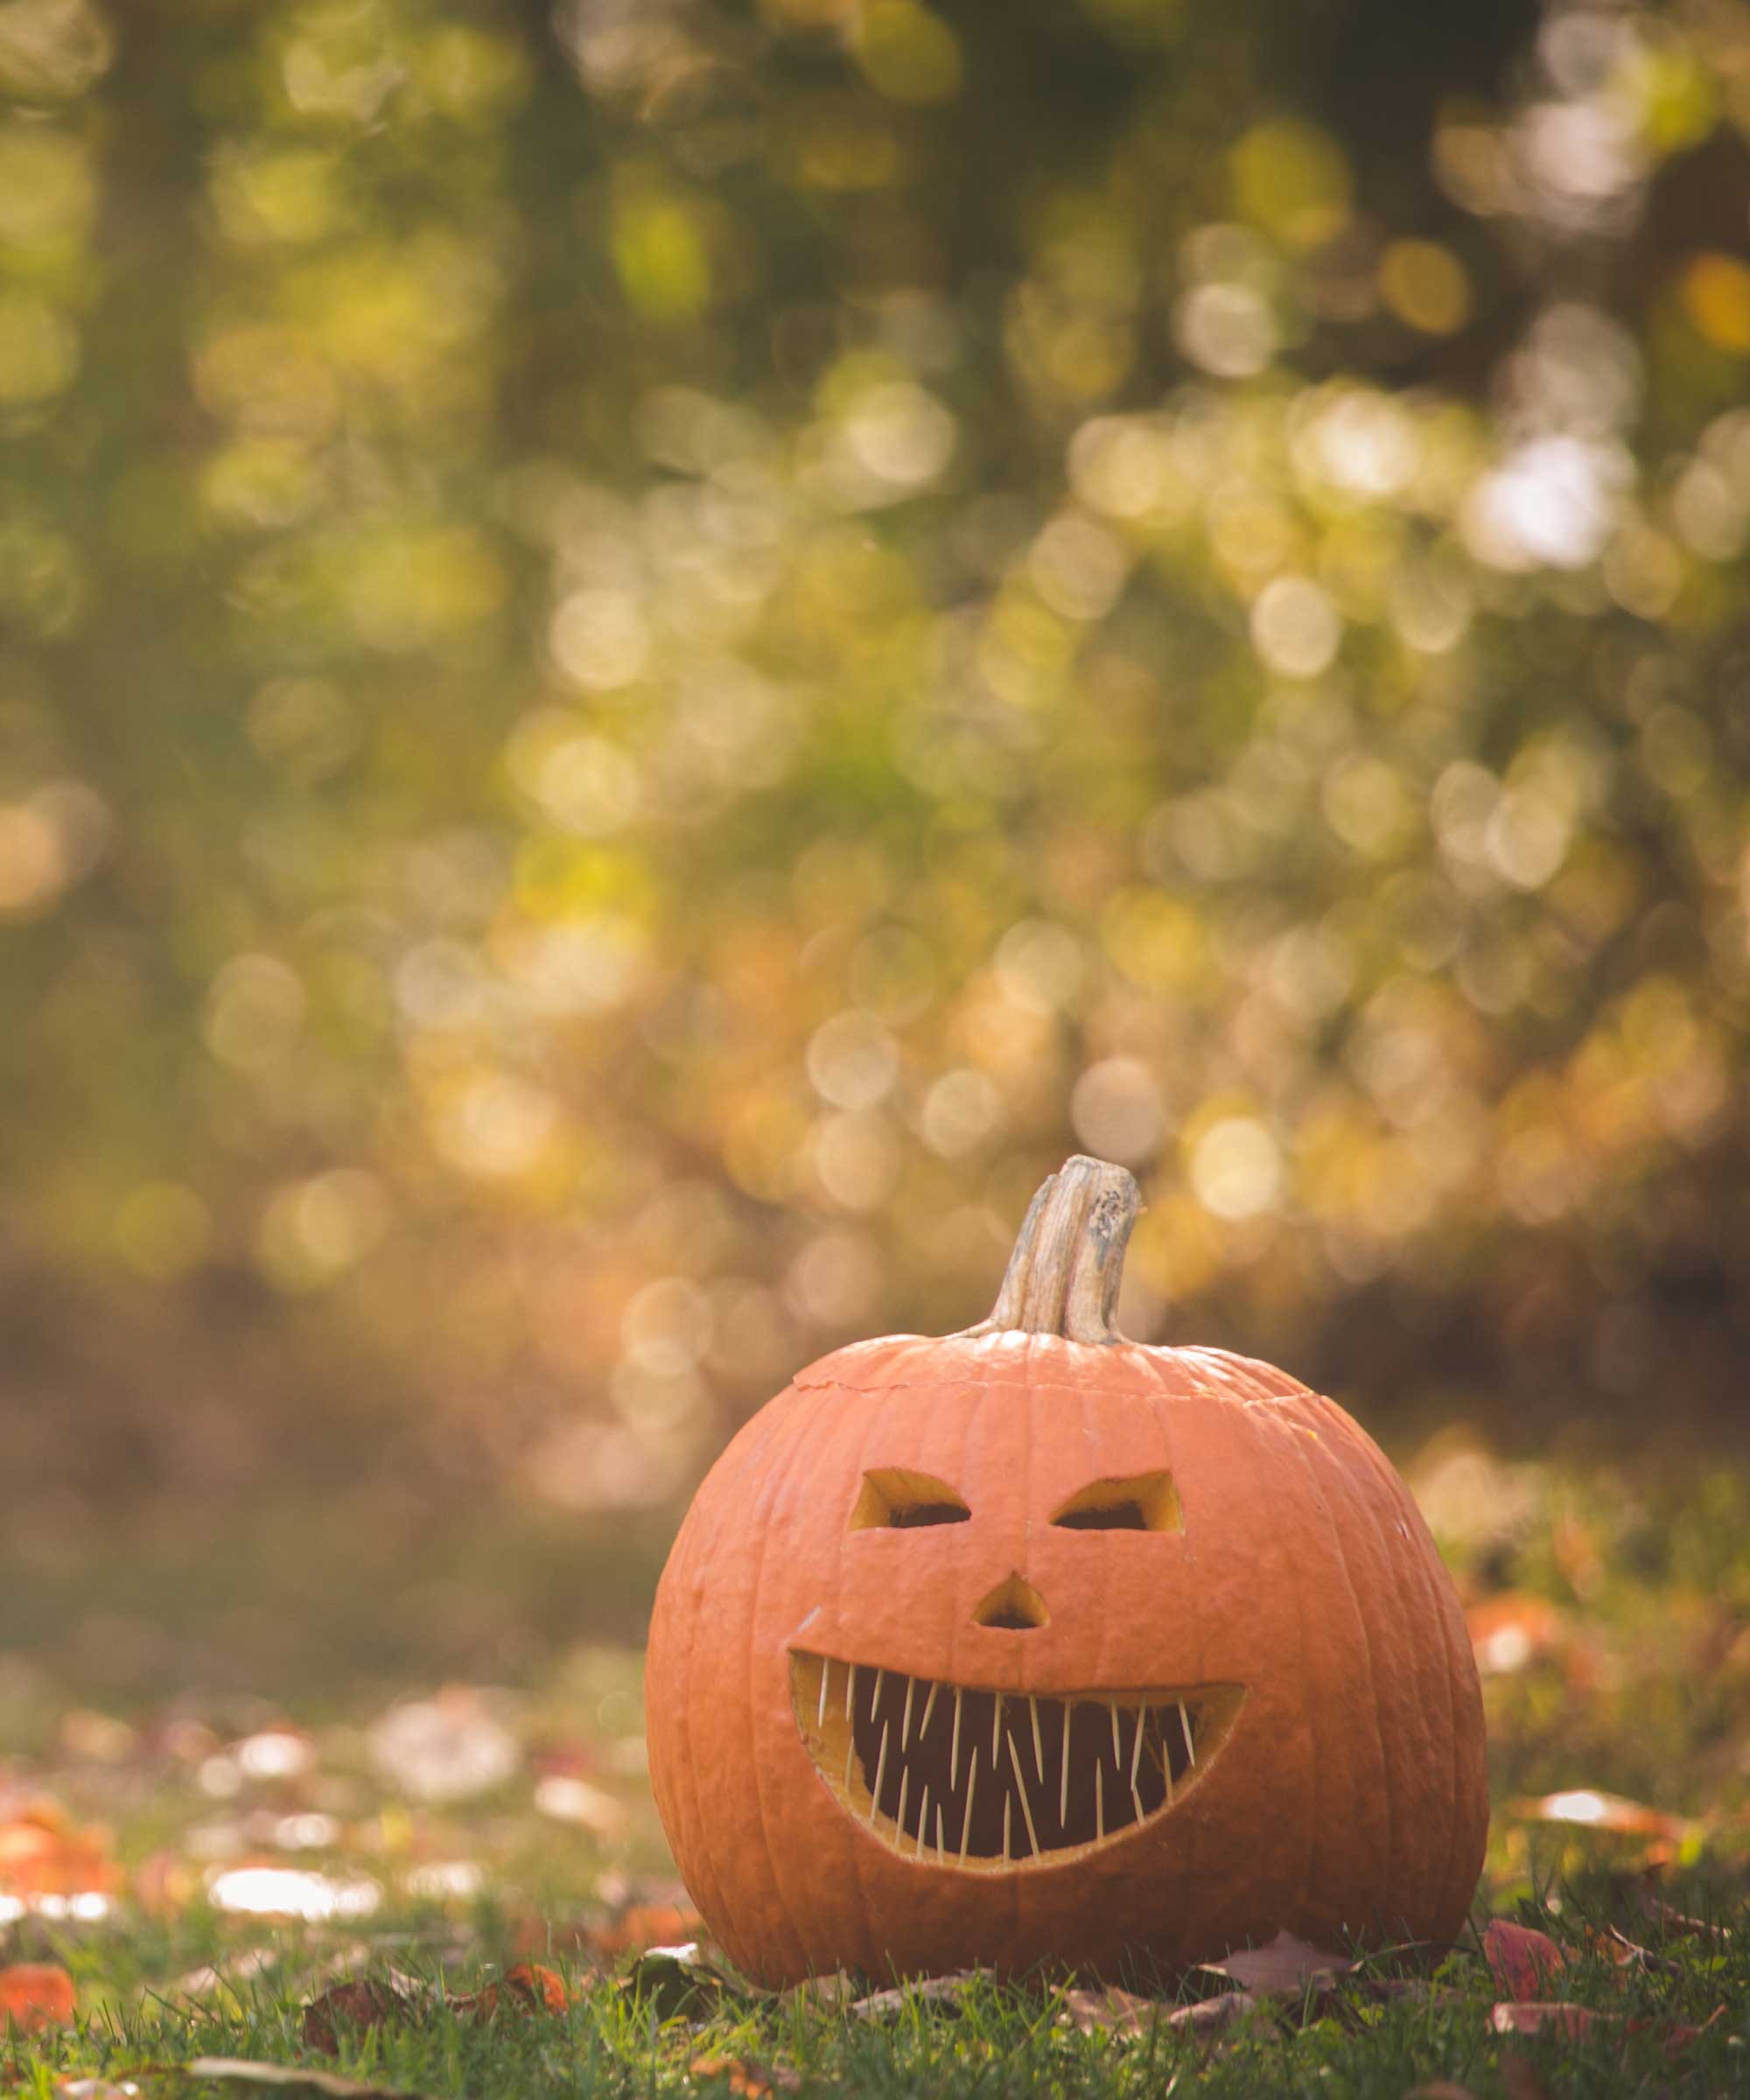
(1140, 1502)
(896, 1500)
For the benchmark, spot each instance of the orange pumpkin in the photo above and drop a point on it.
(1032, 1645)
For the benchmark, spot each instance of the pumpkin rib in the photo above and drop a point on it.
(774, 1502)
(1363, 1633)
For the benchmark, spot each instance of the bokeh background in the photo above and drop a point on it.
(651, 650)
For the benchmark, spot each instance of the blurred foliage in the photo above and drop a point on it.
(651, 649)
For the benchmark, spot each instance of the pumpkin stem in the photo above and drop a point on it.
(1068, 1261)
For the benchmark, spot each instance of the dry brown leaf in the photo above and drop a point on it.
(1109, 2011)
(1571, 2021)
(936, 1991)
(245, 2071)
(1283, 1966)
(1212, 2017)
(752, 2080)
(362, 2001)
(1523, 1961)
(526, 1988)
(35, 1995)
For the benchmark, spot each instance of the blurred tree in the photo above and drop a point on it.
(652, 649)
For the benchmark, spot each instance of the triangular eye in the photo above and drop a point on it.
(1137, 1502)
(896, 1500)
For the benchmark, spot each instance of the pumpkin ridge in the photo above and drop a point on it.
(1362, 1630)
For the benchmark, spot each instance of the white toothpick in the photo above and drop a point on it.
(923, 1824)
(1137, 1750)
(1026, 1806)
(849, 1758)
(1135, 1795)
(941, 1856)
(995, 1729)
(826, 1685)
(850, 1687)
(954, 1753)
(906, 1723)
(1038, 1748)
(1117, 1743)
(1185, 1729)
(966, 1819)
(876, 1700)
(1063, 1776)
(880, 1773)
(905, 1783)
(929, 1708)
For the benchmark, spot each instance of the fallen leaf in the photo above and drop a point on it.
(1679, 1923)
(1109, 2011)
(35, 1995)
(832, 1992)
(677, 1979)
(1284, 1966)
(1528, 2018)
(754, 2080)
(361, 2001)
(1211, 2016)
(1511, 1630)
(1586, 1809)
(945, 1991)
(42, 1853)
(245, 2071)
(1523, 1961)
(447, 1748)
(526, 1988)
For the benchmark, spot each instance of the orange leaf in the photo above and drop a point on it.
(1523, 1961)
(530, 1988)
(42, 1854)
(34, 1995)
(751, 2080)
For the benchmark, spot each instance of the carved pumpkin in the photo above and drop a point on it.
(1033, 1645)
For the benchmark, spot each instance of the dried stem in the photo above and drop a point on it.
(1068, 1261)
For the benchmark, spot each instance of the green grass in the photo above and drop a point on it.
(1630, 1605)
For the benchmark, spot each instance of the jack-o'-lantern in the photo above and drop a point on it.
(1031, 1645)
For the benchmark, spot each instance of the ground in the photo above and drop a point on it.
(455, 1890)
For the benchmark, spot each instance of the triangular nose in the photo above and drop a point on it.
(1014, 1606)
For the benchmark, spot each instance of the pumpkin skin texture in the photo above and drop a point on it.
(1280, 1584)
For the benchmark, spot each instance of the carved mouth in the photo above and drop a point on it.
(968, 1777)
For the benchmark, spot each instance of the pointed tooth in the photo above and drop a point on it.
(1137, 1750)
(880, 1772)
(941, 1856)
(1099, 1801)
(826, 1686)
(1136, 1797)
(1185, 1730)
(881, 1675)
(1008, 1811)
(849, 1757)
(929, 1707)
(954, 1753)
(1063, 1776)
(1118, 1745)
(905, 1783)
(923, 1824)
(1026, 1806)
(1038, 1748)
(906, 1724)
(850, 1687)
(971, 1788)
(995, 1729)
